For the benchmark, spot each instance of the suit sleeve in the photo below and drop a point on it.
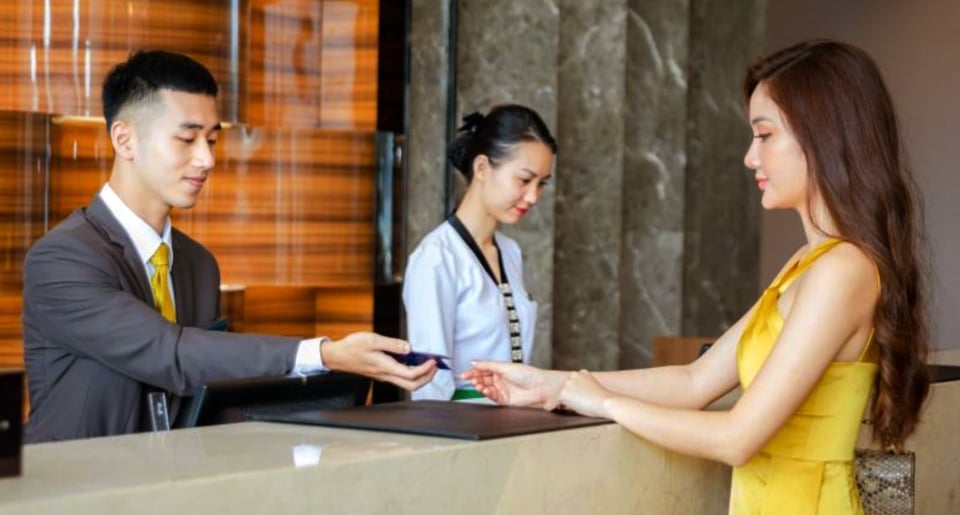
(430, 298)
(76, 299)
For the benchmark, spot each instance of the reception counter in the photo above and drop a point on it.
(262, 468)
(259, 467)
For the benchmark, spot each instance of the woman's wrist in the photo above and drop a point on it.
(553, 381)
(608, 406)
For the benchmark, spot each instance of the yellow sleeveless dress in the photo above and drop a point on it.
(807, 467)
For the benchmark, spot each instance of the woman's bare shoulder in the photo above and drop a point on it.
(844, 270)
(847, 259)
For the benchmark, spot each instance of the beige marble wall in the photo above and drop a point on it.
(507, 52)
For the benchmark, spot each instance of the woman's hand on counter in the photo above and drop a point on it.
(582, 393)
(513, 384)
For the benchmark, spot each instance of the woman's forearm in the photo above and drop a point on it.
(673, 386)
(684, 431)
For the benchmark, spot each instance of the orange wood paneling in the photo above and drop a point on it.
(56, 54)
(23, 172)
(289, 207)
(341, 311)
(310, 64)
(233, 306)
(297, 63)
(11, 331)
(23, 175)
(284, 310)
(283, 207)
(81, 158)
(302, 311)
(288, 211)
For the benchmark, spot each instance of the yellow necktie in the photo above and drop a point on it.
(160, 284)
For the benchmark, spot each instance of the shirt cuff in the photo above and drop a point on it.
(308, 356)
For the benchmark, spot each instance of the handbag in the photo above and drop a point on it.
(886, 481)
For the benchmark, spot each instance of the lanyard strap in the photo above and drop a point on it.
(516, 349)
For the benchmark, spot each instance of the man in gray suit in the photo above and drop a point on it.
(102, 325)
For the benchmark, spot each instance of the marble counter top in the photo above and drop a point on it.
(261, 467)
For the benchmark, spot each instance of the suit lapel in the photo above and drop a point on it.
(182, 279)
(99, 216)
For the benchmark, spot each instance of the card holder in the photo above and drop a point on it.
(414, 359)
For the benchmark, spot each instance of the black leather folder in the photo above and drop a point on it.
(438, 418)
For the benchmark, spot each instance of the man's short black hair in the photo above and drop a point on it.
(146, 72)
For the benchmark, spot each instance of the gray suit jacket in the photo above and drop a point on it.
(94, 344)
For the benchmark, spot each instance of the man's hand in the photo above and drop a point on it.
(363, 353)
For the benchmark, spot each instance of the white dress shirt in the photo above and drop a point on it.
(455, 308)
(146, 241)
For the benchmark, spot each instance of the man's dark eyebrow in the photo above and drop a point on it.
(198, 126)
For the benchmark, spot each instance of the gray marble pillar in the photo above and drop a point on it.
(654, 162)
(507, 52)
(427, 130)
(722, 208)
(589, 184)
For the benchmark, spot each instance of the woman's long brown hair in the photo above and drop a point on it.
(833, 98)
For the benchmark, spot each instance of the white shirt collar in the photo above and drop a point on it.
(144, 238)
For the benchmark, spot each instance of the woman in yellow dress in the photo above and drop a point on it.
(844, 318)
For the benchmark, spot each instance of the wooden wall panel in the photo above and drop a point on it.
(349, 79)
(23, 172)
(302, 311)
(341, 311)
(11, 339)
(296, 63)
(289, 207)
(284, 310)
(11, 331)
(81, 158)
(283, 207)
(309, 63)
(63, 73)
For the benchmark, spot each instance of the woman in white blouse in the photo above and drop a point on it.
(463, 288)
